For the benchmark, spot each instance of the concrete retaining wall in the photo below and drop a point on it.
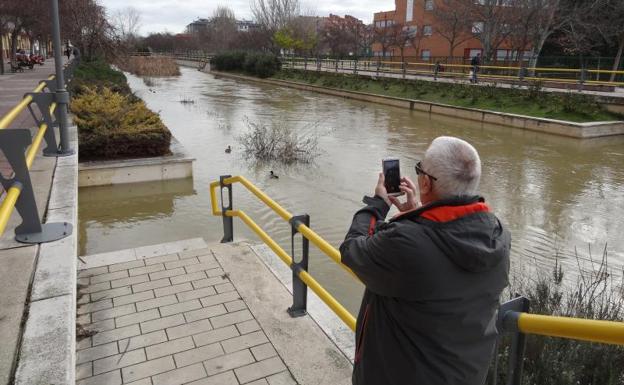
(550, 126)
(103, 173)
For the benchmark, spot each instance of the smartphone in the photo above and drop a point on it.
(392, 175)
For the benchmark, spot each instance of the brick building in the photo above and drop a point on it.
(419, 19)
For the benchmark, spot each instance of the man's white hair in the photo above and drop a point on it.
(455, 164)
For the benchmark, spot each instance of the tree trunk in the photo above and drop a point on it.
(1, 53)
(14, 44)
(618, 58)
(537, 49)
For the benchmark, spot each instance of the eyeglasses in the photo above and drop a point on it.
(420, 171)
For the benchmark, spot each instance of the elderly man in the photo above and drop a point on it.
(433, 275)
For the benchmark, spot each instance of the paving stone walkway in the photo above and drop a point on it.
(169, 319)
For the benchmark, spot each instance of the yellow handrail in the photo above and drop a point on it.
(566, 327)
(305, 231)
(608, 332)
(8, 204)
(15, 111)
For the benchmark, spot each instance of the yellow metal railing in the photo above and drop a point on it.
(305, 231)
(609, 332)
(13, 193)
(425, 68)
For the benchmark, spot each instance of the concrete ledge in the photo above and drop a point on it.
(110, 172)
(47, 353)
(127, 255)
(550, 126)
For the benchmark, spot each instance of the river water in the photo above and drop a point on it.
(555, 194)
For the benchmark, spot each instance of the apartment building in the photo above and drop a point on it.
(418, 18)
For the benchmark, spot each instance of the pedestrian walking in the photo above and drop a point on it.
(475, 63)
(68, 52)
(433, 275)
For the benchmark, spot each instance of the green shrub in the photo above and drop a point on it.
(112, 125)
(258, 64)
(228, 61)
(97, 74)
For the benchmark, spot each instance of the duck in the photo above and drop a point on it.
(228, 149)
(273, 175)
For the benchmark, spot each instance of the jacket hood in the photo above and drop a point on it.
(466, 232)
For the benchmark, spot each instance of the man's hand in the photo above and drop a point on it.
(409, 188)
(380, 189)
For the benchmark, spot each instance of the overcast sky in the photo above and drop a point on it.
(174, 15)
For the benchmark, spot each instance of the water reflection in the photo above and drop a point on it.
(555, 193)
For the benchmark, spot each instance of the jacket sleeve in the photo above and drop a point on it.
(373, 257)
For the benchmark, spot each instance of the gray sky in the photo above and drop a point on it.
(174, 15)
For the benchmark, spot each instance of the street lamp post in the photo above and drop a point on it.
(61, 96)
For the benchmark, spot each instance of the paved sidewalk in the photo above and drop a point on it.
(17, 261)
(166, 317)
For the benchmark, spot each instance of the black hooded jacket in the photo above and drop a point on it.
(433, 279)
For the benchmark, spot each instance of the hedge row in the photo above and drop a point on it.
(258, 64)
(112, 122)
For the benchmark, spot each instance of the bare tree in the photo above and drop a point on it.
(275, 14)
(127, 23)
(612, 28)
(84, 23)
(341, 35)
(401, 36)
(453, 22)
(534, 22)
(385, 36)
(579, 27)
(222, 28)
(492, 24)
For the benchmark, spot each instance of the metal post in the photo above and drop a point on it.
(300, 289)
(13, 144)
(508, 321)
(62, 96)
(355, 69)
(228, 222)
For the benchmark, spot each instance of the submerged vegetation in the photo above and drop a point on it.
(534, 101)
(595, 293)
(112, 122)
(149, 65)
(279, 142)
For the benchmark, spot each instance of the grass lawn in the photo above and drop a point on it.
(534, 101)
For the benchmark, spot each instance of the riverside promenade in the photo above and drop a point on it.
(191, 313)
(37, 284)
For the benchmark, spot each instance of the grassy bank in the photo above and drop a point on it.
(149, 66)
(112, 122)
(534, 101)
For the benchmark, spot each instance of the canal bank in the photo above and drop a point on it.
(549, 126)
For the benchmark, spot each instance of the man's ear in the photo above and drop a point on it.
(427, 186)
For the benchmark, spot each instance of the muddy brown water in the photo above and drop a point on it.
(556, 194)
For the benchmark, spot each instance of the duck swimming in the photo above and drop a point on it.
(273, 176)
(228, 149)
